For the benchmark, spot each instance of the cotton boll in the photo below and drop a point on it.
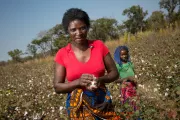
(93, 84)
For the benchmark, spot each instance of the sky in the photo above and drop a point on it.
(22, 20)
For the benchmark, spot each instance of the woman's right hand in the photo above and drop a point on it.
(85, 80)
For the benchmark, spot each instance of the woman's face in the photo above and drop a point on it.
(78, 31)
(124, 55)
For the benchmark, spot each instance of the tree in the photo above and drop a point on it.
(121, 29)
(15, 55)
(136, 17)
(103, 28)
(178, 14)
(156, 21)
(44, 41)
(58, 37)
(60, 42)
(42, 44)
(41, 34)
(32, 49)
(170, 6)
(57, 30)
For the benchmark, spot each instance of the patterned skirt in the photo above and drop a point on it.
(88, 105)
(129, 95)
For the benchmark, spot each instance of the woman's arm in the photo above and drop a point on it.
(112, 72)
(59, 80)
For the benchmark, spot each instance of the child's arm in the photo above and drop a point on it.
(131, 78)
(121, 80)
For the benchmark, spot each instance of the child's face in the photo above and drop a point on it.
(124, 55)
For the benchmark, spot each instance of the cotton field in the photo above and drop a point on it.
(26, 90)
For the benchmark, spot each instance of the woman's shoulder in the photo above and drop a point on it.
(61, 55)
(96, 42)
(63, 50)
(99, 46)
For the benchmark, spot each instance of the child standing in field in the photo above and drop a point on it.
(125, 68)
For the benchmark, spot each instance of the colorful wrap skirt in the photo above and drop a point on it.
(129, 95)
(88, 105)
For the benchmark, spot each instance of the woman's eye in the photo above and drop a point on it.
(72, 30)
(83, 28)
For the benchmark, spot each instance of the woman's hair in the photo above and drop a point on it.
(117, 54)
(74, 14)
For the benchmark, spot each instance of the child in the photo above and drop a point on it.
(127, 76)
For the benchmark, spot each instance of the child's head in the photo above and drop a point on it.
(124, 55)
(121, 55)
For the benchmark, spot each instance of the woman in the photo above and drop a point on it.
(80, 62)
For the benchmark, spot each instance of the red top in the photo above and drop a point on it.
(74, 68)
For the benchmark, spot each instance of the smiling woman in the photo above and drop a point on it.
(78, 32)
(82, 62)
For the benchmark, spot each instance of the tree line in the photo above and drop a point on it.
(48, 42)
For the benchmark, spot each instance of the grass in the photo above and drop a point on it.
(26, 90)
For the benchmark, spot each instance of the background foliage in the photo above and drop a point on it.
(49, 41)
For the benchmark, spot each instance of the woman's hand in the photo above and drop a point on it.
(85, 80)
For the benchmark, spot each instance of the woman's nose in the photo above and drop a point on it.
(78, 32)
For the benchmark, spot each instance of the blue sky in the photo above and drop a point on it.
(22, 20)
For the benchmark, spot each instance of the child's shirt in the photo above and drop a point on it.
(125, 70)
